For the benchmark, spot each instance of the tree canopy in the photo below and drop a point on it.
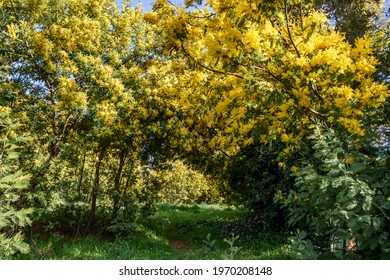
(118, 108)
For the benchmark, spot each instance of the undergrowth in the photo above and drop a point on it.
(173, 232)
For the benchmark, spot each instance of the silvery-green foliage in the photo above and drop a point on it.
(341, 194)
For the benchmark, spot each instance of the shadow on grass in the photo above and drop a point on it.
(173, 232)
(138, 246)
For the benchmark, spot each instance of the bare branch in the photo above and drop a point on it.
(288, 29)
(316, 113)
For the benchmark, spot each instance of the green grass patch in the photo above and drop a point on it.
(173, 232)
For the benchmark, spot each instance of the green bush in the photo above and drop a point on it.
(341, 195)
(12, 182)
(254, 177)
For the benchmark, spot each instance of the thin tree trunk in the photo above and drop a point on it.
(95, 187)
(117, 184)
(80, 182)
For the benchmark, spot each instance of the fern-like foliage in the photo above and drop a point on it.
(12, 182)
(341, 196)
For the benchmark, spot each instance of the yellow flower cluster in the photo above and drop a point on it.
(352, 125)
(70, 95)
(262, 73)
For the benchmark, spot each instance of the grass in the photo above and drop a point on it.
(173, 232)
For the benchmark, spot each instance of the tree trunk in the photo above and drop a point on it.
(80, 182)
(95, 188)
(117, 185)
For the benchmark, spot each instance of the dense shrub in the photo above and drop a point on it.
(13, 180)
(255, 176)
(341, 197)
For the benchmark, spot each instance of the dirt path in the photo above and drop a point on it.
(178, 244)
(176, 241)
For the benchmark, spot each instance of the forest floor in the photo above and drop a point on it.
(173, 232)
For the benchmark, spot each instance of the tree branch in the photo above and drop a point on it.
(316, 113)
(223, 152)
(278, 80)
(380, 208)
(288, 29)
(207, 67)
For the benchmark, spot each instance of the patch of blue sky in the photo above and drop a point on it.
(148, 4)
